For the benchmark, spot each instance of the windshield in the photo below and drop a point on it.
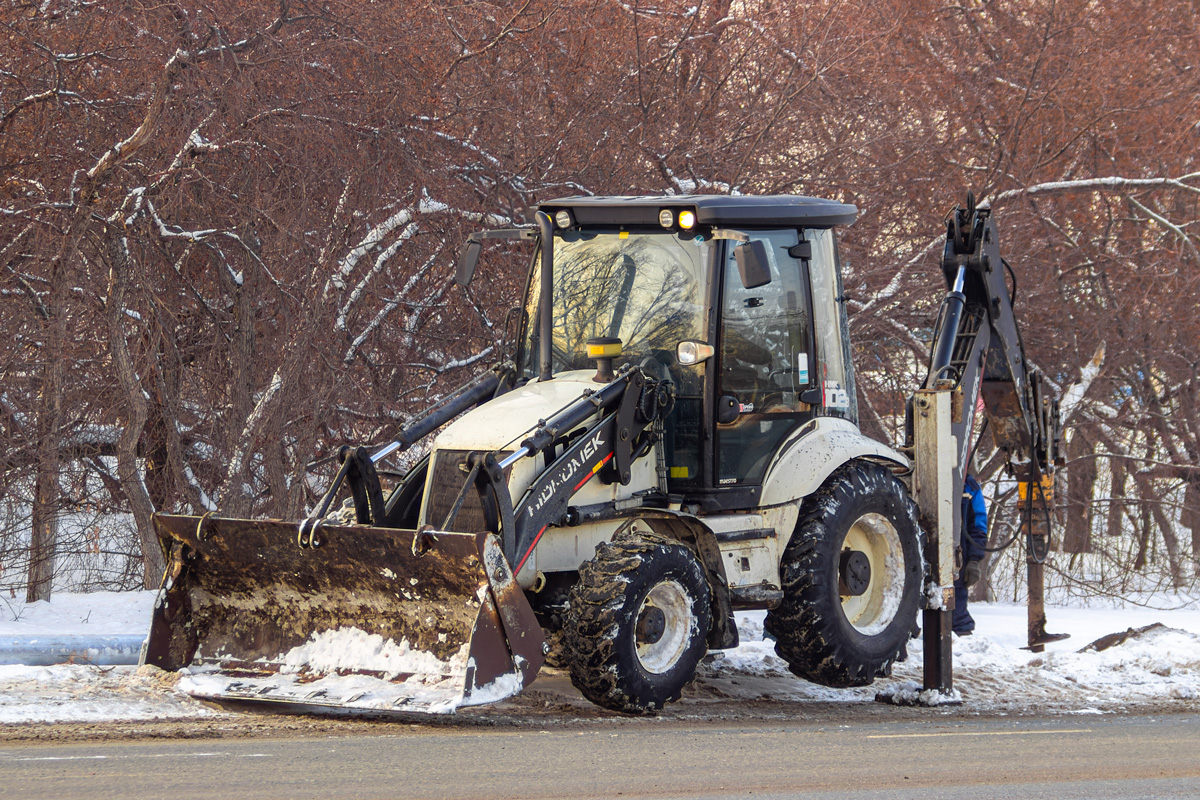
(646, 289)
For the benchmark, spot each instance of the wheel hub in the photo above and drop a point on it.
(651, 624)
(854, 573)
(872, 609)
(664, 627)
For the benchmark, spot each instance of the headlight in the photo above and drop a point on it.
(563, 219)
(666, 218)
(687, 220)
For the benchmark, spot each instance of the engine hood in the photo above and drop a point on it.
(502, 423)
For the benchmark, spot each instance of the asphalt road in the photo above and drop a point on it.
(1062, 757)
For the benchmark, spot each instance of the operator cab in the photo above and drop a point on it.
(736, 299)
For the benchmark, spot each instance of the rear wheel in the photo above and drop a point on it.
(851, 579)
(637, 623)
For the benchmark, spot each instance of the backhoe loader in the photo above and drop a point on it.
(675, 439)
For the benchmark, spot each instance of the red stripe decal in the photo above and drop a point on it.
(595, 469)
(530, 550)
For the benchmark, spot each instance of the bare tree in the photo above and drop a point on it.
(227, 229)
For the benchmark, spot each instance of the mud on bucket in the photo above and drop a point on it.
(353, 619)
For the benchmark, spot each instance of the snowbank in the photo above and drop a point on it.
(1158, 668)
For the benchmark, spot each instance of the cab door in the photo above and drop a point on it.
(766, 359)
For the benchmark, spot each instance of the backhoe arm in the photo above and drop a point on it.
(977, 353)
(985, 348)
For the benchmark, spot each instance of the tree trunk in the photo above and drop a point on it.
(1116, 505)
(44, 535)
(1190, 518)
(1143, 530)
(136, 412)
(1081, 482)
(235, 500)
(1170, 539)
(43, 540)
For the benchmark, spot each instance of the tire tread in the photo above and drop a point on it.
(596, 613)
(810, 635)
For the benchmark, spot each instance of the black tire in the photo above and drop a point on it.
(826, 632)
(637, 623)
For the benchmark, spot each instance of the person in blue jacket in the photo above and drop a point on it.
(974, 544)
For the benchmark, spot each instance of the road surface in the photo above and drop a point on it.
(1081, 756)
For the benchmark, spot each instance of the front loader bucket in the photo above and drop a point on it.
(355, 619)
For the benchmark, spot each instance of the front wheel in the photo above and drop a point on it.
(851, 579)
(637, 623)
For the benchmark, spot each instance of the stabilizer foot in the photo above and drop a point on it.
(1043, 639)
(910, 693)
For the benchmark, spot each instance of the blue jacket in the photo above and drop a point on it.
(974, 521)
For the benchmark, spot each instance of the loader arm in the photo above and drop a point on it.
(622, 435)
(358, 463)
(574, 453)
(977, 353)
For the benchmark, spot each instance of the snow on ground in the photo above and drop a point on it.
(83, 692)
(94, 613)
(86, 693)
(993, 672)
(1159, 669)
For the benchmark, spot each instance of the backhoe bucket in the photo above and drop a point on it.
(349, 617)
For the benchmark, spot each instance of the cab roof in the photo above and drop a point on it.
(774, 210)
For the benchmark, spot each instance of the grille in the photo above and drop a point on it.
(447, 477)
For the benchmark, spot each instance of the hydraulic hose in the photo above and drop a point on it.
(546, 299)
(947, 334)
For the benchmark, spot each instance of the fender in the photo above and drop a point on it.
(811, 455)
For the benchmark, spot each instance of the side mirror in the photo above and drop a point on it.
(467, 261)
(754, 265)
(690, 352)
